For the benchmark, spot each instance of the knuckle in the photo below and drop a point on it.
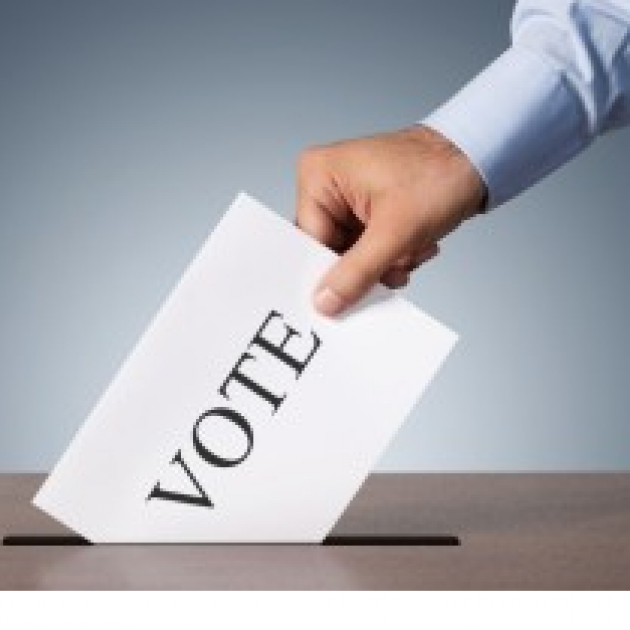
(310, 159)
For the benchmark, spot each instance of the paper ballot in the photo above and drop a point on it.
(242, 415)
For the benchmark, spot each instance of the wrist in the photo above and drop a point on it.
(516, 121)
(466, 175)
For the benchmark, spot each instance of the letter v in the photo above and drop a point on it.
(201, 499)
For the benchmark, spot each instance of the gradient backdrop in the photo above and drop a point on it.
(126, 128)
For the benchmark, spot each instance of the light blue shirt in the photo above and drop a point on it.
(564, 81)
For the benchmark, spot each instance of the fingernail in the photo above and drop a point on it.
(327, 302)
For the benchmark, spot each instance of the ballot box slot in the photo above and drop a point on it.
(35, 540)
(335, 540)
(391, 540)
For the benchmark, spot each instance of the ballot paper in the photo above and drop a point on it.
(242, 415)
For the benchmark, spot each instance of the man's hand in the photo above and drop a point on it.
(383, 203)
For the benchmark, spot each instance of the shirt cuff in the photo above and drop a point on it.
(517, 121)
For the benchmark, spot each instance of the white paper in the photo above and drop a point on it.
(305, 460)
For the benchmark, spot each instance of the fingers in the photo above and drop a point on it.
(379, 244)
(398, 275)
(420, 255)
(319, 223)
(357, 270)
(321, 211)
(367, 262)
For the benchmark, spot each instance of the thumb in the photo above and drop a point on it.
(361, 267)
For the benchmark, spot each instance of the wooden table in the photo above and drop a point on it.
(527, 531)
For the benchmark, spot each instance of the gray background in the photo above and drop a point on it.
(126, 127)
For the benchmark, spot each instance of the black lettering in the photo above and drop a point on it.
(239, 421)
(201, 499)
(246, 381)
(279, 351)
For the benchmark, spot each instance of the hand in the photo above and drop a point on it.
(384, 203)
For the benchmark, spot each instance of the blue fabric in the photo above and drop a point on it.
(564, 80)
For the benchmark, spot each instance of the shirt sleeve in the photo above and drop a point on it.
(564, 80)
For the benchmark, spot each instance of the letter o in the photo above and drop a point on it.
(239, 421)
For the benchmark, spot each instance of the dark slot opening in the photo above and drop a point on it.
(35, 540)
(392, 540)
(340, 540)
